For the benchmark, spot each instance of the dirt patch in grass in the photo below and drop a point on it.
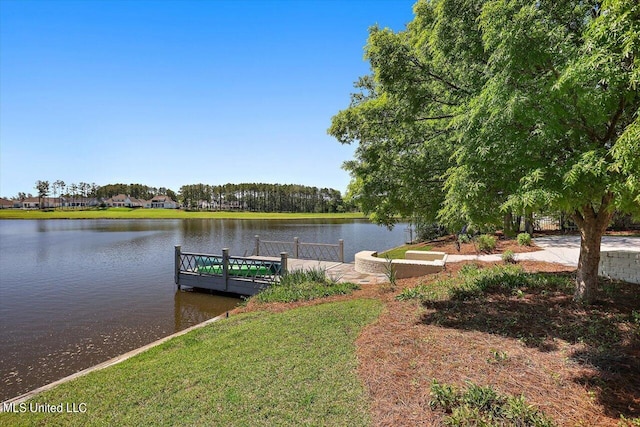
(580, 365)
(448, 245)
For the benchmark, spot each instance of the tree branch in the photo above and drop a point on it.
(614, 121)
(444, 116)
(578, 218)
(421, 66)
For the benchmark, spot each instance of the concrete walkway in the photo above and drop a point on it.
(343, 272)
(559, 249)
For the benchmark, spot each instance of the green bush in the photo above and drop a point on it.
(524, 239)
(487, 243)
(304, 285)
(483, 406)
(508, 257)
(464, 238)
(474, 282)
(628, 422)
(426, 231)
(469, 269)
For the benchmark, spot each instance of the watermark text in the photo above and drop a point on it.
(44, 408)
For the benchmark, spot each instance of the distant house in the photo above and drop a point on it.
(125, 201)
(203, 204)
(79, 202)
(163, 202)
(6, 203)
(225, 205)
(233, 205)
(29, 203)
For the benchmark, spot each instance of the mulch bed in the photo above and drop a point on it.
(570, 361)
(448, 244)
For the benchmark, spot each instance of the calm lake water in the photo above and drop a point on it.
(74, 293)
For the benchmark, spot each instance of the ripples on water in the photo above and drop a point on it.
(74, 293)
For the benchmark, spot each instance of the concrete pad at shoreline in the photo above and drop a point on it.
(343, 272)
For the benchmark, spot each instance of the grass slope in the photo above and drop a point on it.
(292, 368)
(126, 213)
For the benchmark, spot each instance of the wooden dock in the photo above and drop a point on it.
(225, 273)
(251, 274)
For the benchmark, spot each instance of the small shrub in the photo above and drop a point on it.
(429, 231)
(524, 239)
(443, 396)
(498, 357)
(520, 413)
(486, 243)
(628, 422)
(473, 282)
(390, 272)
(476, 282)
(508, 257)
(482, 398)
(483, 406)
(464, 238)
(466, 416)
(304, 285)
(407, 294)
(469, 269)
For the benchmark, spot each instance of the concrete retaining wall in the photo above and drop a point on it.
(620, 265)
(367, 262)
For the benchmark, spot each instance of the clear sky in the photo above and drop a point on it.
(167, 93)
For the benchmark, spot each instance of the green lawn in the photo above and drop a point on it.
(398, 253)
(127, 213)
(292, 368)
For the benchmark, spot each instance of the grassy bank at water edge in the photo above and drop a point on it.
(292, 368)
(127, 213)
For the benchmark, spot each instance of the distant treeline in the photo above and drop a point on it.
(259, 197)
(139, 191)
(255, 197)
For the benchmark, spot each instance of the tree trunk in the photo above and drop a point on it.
(587, 274)
(528, 224)
(508, 224)
(592, 226)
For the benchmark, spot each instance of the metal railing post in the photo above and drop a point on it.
(296, 246)
(225, 267)
(257, 245)
(176, 272)
(341, 249)
(283, 263)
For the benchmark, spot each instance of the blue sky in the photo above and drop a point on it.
(167, 93)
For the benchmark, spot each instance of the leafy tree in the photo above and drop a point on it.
(482, 108)
(43, 191)
(171, 194)
(58, 185)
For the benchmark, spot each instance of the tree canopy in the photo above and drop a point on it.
(261, 197)
(481, 108)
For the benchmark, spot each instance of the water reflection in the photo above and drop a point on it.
(192, 307)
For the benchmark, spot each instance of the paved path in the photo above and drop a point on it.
(343, 272)
(559, 249)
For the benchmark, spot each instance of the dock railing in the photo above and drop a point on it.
(300, 250)
(240, 275)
